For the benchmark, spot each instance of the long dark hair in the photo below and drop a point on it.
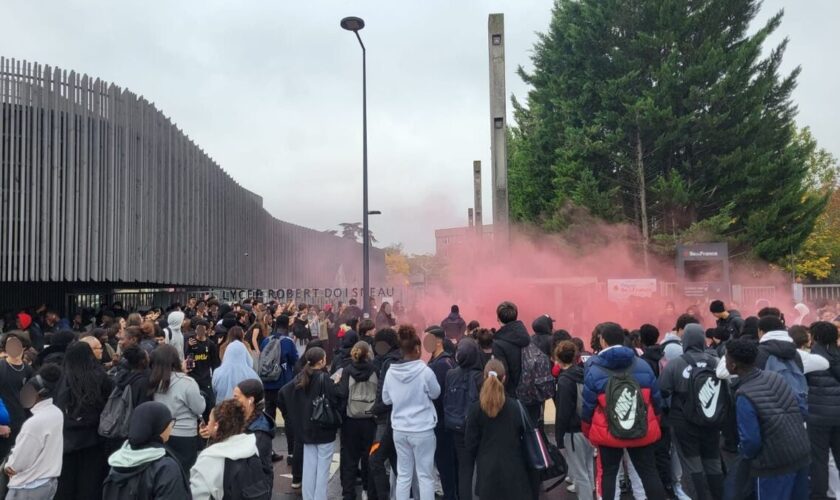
(85, 379)
(164, 361)
(253, 388)
(313, 357)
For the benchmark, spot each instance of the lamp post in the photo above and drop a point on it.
(355, 24)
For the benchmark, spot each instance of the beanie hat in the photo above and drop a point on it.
(717, 307)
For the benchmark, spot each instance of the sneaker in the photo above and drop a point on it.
(569, 479)
(571, 488)
(276, 457)
(295, 486)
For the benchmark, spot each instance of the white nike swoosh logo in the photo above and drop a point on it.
(626, 405)
(709, 394)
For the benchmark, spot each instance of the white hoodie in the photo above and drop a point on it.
(410, 387)
(208, 473)
(810, 362)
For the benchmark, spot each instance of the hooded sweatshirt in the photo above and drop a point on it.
(236, 367)
(410, 387)
(778, 343)
(185, 402)
(207, 475)
(674, 379)
(37, 453)
(543, 337)
(507, 348)
(174, 337)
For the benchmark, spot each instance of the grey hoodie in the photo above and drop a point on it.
(673, 382)
(174, 336)
(410, 387)
(185, 402)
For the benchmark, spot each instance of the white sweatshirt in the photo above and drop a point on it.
(39, 446)
(208, 474)
(410, 387)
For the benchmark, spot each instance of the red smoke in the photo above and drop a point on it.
(547, 274)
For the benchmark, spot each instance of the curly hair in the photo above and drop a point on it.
(230, 419)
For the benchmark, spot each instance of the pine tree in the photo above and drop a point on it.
(663, 113)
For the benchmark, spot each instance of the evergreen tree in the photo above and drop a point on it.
(663, 113)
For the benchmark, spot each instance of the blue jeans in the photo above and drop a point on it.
(791, 486)
(415, 451)
(44, 492)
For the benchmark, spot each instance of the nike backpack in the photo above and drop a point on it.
(625, 409)
(536, 382)
(706, 403)
(793, 375)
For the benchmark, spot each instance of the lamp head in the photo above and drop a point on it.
(352, 23)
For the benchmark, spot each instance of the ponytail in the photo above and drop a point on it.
(492, 397)
(312, 357)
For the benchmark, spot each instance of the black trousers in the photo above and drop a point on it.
(385, 453)
(662, 454)
(823, 439)
(643, 461)
(271, 407)
(185, 449)
(82, 474)
(356, 437)
(699, 450)
(446, 463)
(466, 467)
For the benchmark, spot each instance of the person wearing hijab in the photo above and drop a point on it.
(236, 367)
(143, 468)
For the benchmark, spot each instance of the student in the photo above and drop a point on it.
(36, 460)
(495, 426)
(411, 387)
(824, 407)
(387, 350)
(288, 356)
(613, 360)
(13, 374)
(143, 468)
(82, 395)
(133, 371)
(771, 426)
(236, 367)
(358, 393)
(698, 446)
(463, 384)
(172, 333)
(318, 441)
(202, 359)
(579, 453)
(170, 386)
(251, 396)
(440, 363)
(228, 444)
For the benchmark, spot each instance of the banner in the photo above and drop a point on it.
(622, 290)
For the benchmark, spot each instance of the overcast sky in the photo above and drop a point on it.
(272, 90)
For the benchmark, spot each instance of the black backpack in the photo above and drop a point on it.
(706, 403)
(625, 406)
(246, 479)
(461, 393)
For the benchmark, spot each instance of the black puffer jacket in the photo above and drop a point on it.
(567, 419)
(543, 337)
(507, 348)
(824, 389)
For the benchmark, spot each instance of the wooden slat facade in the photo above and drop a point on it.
(97, 185)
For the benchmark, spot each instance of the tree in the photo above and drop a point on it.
(354, 231)
(661, 113)
(396, 264)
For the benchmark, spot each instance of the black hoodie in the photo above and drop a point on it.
(507, 348)
(567, 419)
(653, 355)
(543, 335)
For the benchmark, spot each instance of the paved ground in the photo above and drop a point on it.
(283, 479)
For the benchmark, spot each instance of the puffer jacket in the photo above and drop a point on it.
(824, 389)
(596, 375)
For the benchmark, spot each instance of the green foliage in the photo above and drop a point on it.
(670, 99)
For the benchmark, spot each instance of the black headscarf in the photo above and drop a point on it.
(148, 421)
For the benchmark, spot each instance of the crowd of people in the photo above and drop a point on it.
(182, 403)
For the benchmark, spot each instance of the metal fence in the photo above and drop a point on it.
(98, 185)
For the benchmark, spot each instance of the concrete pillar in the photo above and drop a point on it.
(498, 119)
(470, 217)
(479, 224)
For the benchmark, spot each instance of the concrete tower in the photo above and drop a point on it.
(498, 119)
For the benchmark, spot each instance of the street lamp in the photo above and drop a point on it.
(355, 24)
